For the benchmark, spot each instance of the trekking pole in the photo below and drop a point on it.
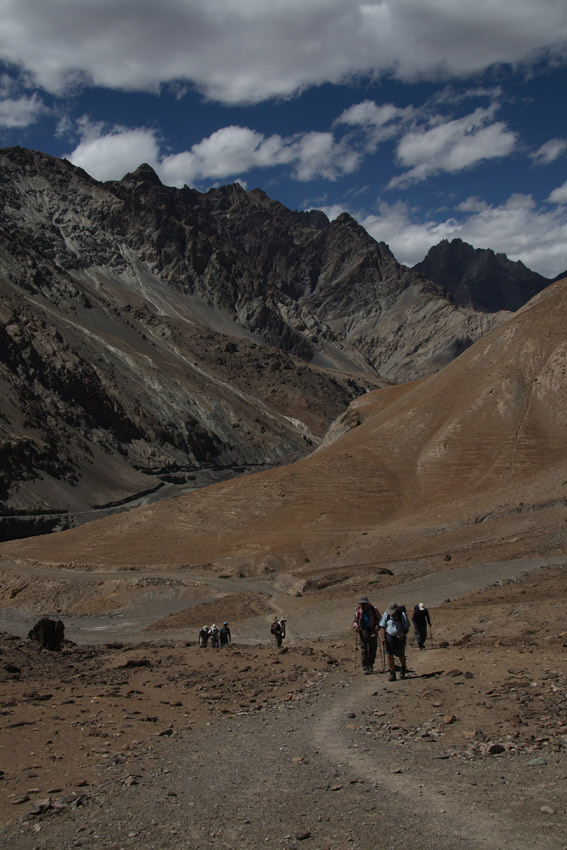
(383, 655)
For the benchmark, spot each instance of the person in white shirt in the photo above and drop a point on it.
(395, 625)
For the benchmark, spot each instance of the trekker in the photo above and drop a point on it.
(214, 632)
(366, 619)
(224, 635)
(395, 625)
(278, 630)
(420, 618)
(204, 635)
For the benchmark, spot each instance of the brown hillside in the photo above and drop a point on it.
(484, 439)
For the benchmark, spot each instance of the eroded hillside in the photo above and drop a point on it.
(482, 440)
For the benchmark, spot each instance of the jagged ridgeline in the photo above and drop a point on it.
(154, 338)
(480, 278)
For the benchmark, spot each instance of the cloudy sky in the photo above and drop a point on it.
(424, 119)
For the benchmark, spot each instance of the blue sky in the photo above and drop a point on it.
(424, 119)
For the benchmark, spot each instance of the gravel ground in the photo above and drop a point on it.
(307, 773)
(161, 744)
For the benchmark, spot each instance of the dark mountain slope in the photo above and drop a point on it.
(475, 450)
(147, 333)
(479, 278)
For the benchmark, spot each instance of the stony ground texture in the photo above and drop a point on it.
(162, 744)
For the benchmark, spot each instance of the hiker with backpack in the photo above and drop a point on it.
(204, 635)
(224, 635)
(278, 630)
(395, 625)
(420, 619)
(366, 619)
(214, 633)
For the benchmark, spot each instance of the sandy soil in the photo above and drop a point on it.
(157, 743)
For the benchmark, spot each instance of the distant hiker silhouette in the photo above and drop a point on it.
(420, 619)
(224, 635)
(278, 630)
(204, 635)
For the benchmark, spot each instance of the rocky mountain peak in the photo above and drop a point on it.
(144, 174)
(479, 277)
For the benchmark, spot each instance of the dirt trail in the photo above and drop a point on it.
(302, 774)
(444, 810)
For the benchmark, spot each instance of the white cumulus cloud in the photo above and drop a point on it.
(253, 50)
(550, 151)
(21, 111)
(107, 154)
(110, 155)
(452, 145)
(224, 153)
(559, 195)
(518, 228)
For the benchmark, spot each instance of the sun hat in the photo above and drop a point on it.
(364, 600)
(392, 609)
(421, 606)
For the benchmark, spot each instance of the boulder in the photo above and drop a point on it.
(49, 633)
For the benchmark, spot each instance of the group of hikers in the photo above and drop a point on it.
(217, 637)
(391, 628)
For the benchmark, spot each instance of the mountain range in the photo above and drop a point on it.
(155, 339)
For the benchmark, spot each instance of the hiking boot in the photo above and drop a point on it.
(392, 677)
(403, 673)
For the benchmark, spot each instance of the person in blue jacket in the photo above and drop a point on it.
(365, 622)
(395, 625)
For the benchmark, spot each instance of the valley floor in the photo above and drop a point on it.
(162, 744)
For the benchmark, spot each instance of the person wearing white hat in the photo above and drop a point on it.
(214, 632)
(278, 630)
(420, 619)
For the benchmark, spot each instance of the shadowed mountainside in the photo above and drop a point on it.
(480, 278)
(484, 438)
(148, 333)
